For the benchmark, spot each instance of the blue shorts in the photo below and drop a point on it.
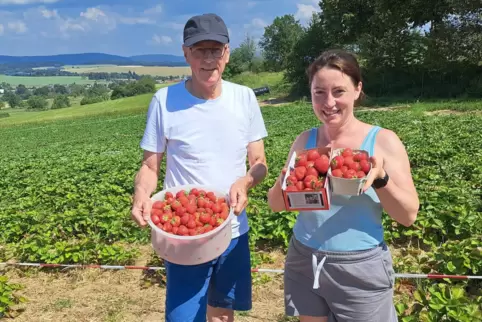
(224, 282)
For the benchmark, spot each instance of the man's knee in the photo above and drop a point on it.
(219, 314)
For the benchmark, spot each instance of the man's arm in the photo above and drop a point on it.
(258, 169)
(148, 175)
(144, 185)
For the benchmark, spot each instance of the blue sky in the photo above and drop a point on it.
(128, 27)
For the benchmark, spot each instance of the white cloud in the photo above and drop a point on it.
(18, 26)
(1, 29)
(26, 1)
(161, 40)
(305, 11)
(155, 10)
(49, 13)
(136, 21)
(93, 14)
(256, 23)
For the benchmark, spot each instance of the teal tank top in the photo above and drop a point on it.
(352, 223)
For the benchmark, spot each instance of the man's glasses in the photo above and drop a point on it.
(203, 52)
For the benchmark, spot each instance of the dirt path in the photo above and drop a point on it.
(122, 296)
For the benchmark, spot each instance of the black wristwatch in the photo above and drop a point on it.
(380, 182)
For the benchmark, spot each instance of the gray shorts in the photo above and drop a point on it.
(348, 286)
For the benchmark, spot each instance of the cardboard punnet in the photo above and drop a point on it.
(343, 186)
(306, 200)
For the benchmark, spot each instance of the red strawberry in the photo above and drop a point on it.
(291, 180)
(365, 166)
(322, 164)
(347, 152)
(300, 160)
(360, 174)
(312, 172)
(183, 231)
(312, 155)
(300, 185)
(155, 219)
(348, 161)
(337, 173)
(350, 174)
(319, 185)
(300, 172)
(310, 181)
(355, 166)
(337, 162)
(360, 156)
(292, 188)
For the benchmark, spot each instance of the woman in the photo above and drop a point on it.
(338, 267)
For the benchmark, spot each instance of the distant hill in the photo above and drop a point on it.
(94, 59)
(158, 58)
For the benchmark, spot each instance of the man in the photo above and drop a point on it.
(206, 126)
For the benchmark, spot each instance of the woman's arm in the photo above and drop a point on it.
(275, 195)
(399, 197)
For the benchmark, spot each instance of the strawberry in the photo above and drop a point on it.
(211, 196)
(360, 174)
(337, 173)
(322, 164)
(348, 161)
(168, 195)
(310, 181)
(355, 166)
(350, 174)
(292, 188)
(291, 180)
(348, 152)
(319, 185)
(181, 193)
(300, 173)
(312, 155)
(360, 156)
(158, 204)
(301, 160)
(182, 231)
(300, 185)
(310, 164)
(337, 162)
(185, 219)
(216, 208)
(312, 172)
(155, 219)
(175, 221)
(191, 208)
(365, 166)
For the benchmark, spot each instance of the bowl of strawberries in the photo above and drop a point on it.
(190, 224)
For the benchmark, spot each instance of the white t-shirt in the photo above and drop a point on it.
(204, 141)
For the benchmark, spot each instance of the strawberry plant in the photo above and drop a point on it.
(9, 298)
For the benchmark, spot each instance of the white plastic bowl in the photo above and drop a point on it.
(191, 250)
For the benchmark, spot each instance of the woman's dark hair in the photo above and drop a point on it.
(340, 60)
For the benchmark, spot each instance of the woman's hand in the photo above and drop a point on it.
(376, 172)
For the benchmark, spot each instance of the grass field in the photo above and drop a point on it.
(66, 194)
(43, 81)
(140, 70)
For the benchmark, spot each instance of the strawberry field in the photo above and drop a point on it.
(66, 189)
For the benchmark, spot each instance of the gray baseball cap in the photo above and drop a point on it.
(207, 26)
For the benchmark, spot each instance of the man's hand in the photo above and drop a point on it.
(238, 195)
(141, 208)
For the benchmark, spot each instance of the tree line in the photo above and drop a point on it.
(417, 48)
(38, 98)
